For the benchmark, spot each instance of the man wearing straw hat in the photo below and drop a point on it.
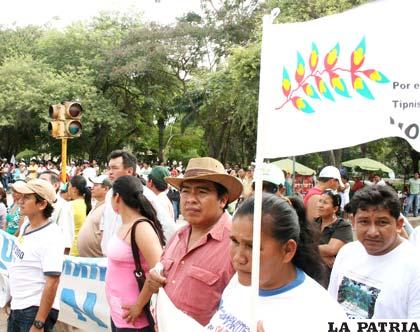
(196, 265)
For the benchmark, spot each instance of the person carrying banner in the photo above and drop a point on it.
(196, 264)
(329, 178)
(140, 232)
(291, 270)
(377, 276)
(37, 261)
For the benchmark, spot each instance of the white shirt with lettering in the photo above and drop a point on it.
(34, 255)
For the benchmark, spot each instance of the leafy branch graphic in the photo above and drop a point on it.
(314, 84)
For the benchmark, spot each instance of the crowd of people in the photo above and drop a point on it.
(190, 232)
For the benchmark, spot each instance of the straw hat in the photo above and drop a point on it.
(209, 169)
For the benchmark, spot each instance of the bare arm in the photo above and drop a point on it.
(331, 248)
(47, 298)
(311, 209)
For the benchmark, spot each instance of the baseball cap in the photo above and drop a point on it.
(331, 172)
(101, 179)
(272, 174)
(159, 173)
(36, 186)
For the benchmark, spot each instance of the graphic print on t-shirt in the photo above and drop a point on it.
(357, 298)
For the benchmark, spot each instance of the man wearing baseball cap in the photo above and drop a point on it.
(329, 178)
(196, 264)
(37, 260)
(273, 179)
(156, 183)
(90, 235)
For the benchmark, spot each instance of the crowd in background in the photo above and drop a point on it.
(129, 207)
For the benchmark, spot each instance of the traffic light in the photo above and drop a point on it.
(56, 125)
(72, 113)
(65, 120)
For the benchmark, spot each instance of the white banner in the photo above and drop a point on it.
(170, 318)
(82, 288)
(341, 80)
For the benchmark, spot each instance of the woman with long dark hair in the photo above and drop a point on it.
(128, 304)
(81, 204)
(291, 270)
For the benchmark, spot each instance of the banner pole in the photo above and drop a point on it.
(256, 237)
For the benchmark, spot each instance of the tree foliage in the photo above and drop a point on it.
(166, 92)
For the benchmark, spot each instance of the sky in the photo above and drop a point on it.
(60, 13)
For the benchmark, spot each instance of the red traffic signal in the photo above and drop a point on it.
(65, 120)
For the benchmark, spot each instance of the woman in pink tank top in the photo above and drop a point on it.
(127, 303)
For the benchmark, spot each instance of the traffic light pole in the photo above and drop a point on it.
(63, 159)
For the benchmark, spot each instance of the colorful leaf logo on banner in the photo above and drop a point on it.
(339, 85)
(376, 76)
(314, 82)
(313, 58)
(331, 58)
(310, 91)
(358, 56)
(323, 89)
(302, 105)
(300, 70)
(360, 87)
(286, 83)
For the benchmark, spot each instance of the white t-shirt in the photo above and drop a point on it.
(166, 204)
(415, 237)
(34, 255)
(377, 287)
(111, 220)
(302, 305)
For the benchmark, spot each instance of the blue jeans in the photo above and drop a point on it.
(413, 198)
(22, 320)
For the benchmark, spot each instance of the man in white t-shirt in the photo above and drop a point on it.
(156, 183)
(122, 163)
(377, 276)
(37, 260)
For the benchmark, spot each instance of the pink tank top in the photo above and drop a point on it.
(121, 287)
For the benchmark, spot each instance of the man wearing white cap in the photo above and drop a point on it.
(273, 180)
(90, 235)
(329, 178)
(37, 260)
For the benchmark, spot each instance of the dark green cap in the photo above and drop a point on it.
(158, 174)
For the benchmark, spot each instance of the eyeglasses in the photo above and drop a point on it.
(27, 197)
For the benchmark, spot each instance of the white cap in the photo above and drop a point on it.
(331, 172)
(272, 174)
(101, 179)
